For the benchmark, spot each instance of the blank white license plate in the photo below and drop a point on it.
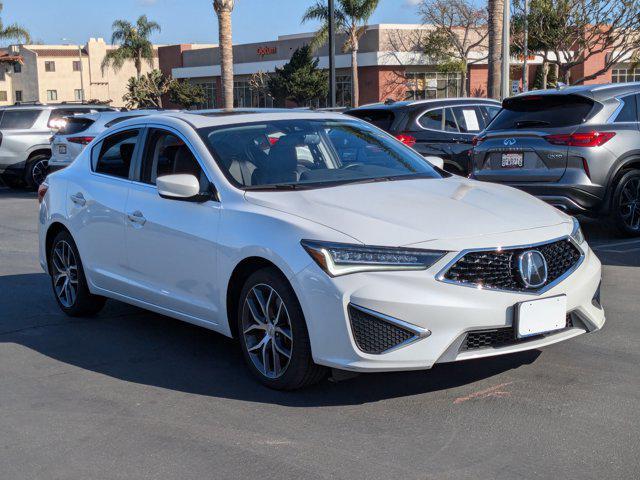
(62, 149)
(541, 316)
(512, 160)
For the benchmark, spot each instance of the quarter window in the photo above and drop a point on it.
(167, 154)
(114, 154)
(628, 113)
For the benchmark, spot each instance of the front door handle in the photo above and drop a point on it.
(136, 217)
(78, 199)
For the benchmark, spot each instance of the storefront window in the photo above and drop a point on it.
(425, 85)
(245, 97)
(210, 94)
(622, 75)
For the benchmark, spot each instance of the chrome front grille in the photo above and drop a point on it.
(498, 269)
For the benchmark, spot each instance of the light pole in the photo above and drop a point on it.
(525, 49)
(81, 74)
(332, 55)
(506, 54)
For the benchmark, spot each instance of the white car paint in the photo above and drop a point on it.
(178, 261)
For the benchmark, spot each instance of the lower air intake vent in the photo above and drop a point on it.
(375, 335)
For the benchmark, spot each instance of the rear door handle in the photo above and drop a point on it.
(78, 199)
(136, 217)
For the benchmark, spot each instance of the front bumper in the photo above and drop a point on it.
(447, 312)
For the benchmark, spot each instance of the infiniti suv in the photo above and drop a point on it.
(577, 148)
(315, 239)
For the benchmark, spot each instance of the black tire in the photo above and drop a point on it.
(300, 371)
(625, 204)
(83, 302)
(35, 170)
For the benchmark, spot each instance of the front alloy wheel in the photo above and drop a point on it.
(626, 204)
(266, 328)
(273, 333)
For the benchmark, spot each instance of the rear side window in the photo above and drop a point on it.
(76, 125)
(629, 112)
(441, 119)
(469, 119)
(113, 155)
(18, 119)
(543, 111)
(382, 119)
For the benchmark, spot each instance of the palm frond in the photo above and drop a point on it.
(116, 59)
(16, 32)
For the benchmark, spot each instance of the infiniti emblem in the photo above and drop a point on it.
(509, 142)
(533, 268)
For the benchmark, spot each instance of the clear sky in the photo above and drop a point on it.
(182, 21)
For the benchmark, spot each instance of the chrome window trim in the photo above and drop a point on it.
(612, 118)
(418, 332)
(440, 276)
(417, 120)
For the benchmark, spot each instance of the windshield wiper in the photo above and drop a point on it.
(532, 123)
(277, 186)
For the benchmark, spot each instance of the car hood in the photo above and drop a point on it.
(405, 212)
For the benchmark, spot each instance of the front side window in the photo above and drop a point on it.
(311, 153)
(113, 155)
(18, 119)
(166, 154)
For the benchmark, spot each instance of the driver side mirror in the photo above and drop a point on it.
(181, 186)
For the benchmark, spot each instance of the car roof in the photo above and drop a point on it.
(211, 118)
(595, 92)
(51, 106)
(432, 102)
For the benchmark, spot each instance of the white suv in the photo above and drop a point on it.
(80, 130)
(317, 240)
(25, 131)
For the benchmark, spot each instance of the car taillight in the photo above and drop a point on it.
(408, 140)
(81, 140)
(42, 190)
(588, 139)
(477, 141)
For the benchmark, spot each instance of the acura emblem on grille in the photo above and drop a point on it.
(533, 268)
(509, 141)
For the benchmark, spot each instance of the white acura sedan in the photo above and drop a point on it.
(316, 239)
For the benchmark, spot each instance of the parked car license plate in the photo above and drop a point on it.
(541, 316)
(62, 149)
(512, 160)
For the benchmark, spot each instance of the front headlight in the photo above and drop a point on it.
(577, 234)
(343, 258)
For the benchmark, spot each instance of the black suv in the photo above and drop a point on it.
(577, 148)
(443, 128)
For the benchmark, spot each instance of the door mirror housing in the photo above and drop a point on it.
(181, 186)
(435, 161)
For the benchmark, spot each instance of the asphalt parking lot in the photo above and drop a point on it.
(130, 394)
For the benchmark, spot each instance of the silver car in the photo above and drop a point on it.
(577, 148)
(80, 130)
(25, 131)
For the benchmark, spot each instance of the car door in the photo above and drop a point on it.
(96, 203)
(171, 244)
(437, 133)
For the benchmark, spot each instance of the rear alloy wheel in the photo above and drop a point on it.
(68, 280)
(626, 204)
(36, 170)
(273, 333)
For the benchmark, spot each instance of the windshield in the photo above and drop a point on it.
(311, 153)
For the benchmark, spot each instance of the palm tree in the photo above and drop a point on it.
(223, 9)
(351, 17)
(495, 47)
(134, 44)
(13, 31)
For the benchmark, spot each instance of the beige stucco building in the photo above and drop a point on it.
(64, 73)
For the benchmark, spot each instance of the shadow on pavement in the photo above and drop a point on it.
(138, 346)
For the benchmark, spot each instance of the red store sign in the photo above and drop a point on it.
(262, 51)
